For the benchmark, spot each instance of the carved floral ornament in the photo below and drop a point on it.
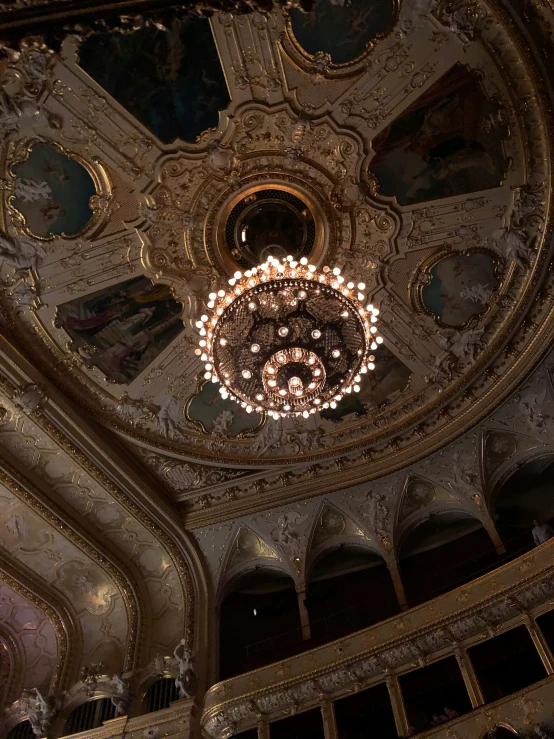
(285, 138)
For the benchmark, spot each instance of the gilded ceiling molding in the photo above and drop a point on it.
(128, 587)
(51, 20)
(11, 665)
(87, 450)
(220, 161)
(68, 632)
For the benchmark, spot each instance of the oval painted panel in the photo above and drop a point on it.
(217, 416)
(342, 28)
(460, 288)
(53, 192)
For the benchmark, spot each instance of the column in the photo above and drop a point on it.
(541, 644)
(329, 724)
(398, 707)
(494, 535)
(263, 730)
(397, 582)
(304, 615)
(470, 678)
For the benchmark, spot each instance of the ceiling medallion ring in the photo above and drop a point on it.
(220, 223)
(287, 340)
(321, 61)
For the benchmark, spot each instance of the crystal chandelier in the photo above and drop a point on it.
(287, 339)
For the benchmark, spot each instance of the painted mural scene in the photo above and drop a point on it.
(343, 28)
(52, 192)
(460, 287)
(389, 377)
(441, 146)
(219, 417)
(170, 80)
(123, 328)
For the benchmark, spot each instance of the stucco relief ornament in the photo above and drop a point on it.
(376, 512)
(168, 417)
(514, 246)
(122, 696)
(21, 253)
(461, 479)
(186, 677)
(31, 398)
(90, 675)
(462, 348)
(39, 710)
(287, 533)
(413, 13)
(531, 406)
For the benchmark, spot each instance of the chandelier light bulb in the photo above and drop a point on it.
(275, 333)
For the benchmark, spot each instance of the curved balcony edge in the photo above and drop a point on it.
(510, 595)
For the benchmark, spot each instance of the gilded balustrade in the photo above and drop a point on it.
(513, 595)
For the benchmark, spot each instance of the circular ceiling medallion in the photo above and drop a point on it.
(269, 221)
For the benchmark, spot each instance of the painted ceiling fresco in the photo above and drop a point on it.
(442, 145)
(124, 327)
(171, 81)
(405, 167)
(53, 192)
(342, 29)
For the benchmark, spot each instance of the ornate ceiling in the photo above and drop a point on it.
(416, 146)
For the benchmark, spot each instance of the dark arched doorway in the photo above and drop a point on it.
(349, 588)
(526, 495)
(259, 621)
(444, 551)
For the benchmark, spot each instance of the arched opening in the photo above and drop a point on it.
(524, 496)
(89, 715)
(23, 730)
(442, 552)
(349, 588)
(160, 694)
(500, 732)
(259, 621)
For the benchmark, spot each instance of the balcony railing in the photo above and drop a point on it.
(509, 596)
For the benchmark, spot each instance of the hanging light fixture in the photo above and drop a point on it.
(287, 339)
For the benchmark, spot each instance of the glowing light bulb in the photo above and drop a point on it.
(223, 342)
(316, 334)
(335, 353)
(246, 374)
(255, 348)
(283, 331)
(379, 339)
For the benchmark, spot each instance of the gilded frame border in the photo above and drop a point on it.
(199, 426)
(308, 61)
(20, 153)
(415, 286)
